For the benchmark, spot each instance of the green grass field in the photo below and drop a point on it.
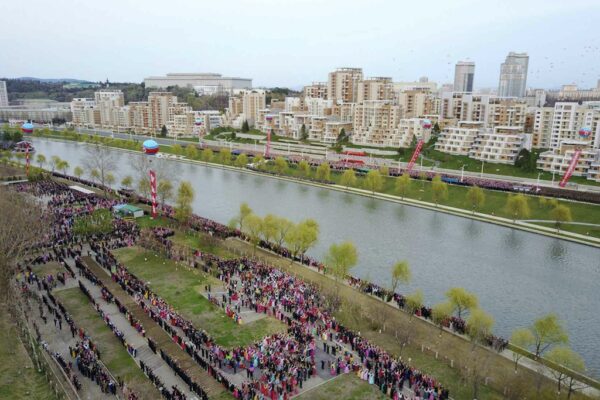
(112, 353)
(182, 287)
(19, 378)
(347, 387)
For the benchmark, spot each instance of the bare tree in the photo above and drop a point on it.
(100, 158)
(21, 226)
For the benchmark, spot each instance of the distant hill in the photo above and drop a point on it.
(52, 80)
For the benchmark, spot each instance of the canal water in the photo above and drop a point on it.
(518, 276)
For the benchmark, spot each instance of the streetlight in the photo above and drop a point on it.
(482, 164)
(462, 172)
(538, 180)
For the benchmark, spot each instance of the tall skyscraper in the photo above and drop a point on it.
(513, 75)
(3, 94)
(464, 74)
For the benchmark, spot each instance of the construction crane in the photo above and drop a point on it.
(572, 165)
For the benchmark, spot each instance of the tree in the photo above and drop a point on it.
(341, 136)
(78, 171)
(281, 165)
(127, 182)
(283, 226)
(41, 160)
(461, 300)
(439, 189)
(323, 172)
(177, 149)
(191, 151)
(302, 236)
(144, 187)
(253, 228)
(548, 331)
(164, 190)
(561, 213)
(183, 203)
(245, 127)
(339, 259)
(54, 162)
(22, 225)
(110, 179)
(304, 168)
(258, 161)
(476, 197)
(95, 174)
(303, 132)
(524, 339)
(414, 302)
(269, 227)
(373, 181)
(518, 206)
(564, 356)
(436, 129)
(400, 274)
(100, 158)
(63, 165)
(238, 220)
(384, 170)
(206, 155)
(403, 184)
(441, 312)
(241, 161)
(479, 325)
(348, 178)
(224, 156)
(164, 131)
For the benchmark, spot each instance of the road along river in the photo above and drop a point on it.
(517, 275)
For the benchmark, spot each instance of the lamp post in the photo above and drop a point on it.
(538, 180)
(462, 172)
(482, 164)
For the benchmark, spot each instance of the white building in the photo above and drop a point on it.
(203, 83)
(458, 140)
(557, 160)
(107, 101)
(570, 119)
(501, 144)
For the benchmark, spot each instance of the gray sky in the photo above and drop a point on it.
(294, 42)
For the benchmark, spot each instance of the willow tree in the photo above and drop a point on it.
(304, 168)
(561, 214)
(183, 202)
(301, 237)
(323, 172)
(403, 184)
(476, 197)
(348, 178)
(373, 181)
(439, 189)
(340, 259)
(518, 207)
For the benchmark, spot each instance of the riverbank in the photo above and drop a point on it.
(455, 203)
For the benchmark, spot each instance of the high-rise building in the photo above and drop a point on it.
(3, 94)
(342, 86)
(374, 89)
(106, 102)
(513, 75)
(464, 74)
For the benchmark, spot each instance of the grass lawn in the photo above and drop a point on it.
(113, 354)
(19, 378)
(181, 288)
(202, 242)
(347, 387)
(49, 268)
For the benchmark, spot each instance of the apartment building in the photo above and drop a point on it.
(245, 106)
(418, 102)
(318, 90)
(493, 111)
(375, 121)
(410, 130)
(464, 76)
(106, 102)
(458, 140)
(3, 94)
(571, 120)
(501, 144)
(558, 159)
(342, 86)
(542, 127)
(318, 106)
(506, 111)
(85, 113)
(376, 88)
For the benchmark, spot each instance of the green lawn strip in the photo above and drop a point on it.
(49, 268)
(347, 387)
(112, 352)
(19, 378)
(181, 288)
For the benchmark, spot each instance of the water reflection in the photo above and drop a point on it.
(512, 240)
(558, 251)
(473, 229)
(400, 212)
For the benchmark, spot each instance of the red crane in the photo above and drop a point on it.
(571, 168)
(413, 159)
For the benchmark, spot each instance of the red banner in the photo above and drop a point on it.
(153, 192)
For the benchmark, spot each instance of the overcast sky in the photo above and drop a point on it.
(294, 42)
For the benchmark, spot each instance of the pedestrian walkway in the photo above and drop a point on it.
(157, 334)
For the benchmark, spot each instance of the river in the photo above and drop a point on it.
(518, 276)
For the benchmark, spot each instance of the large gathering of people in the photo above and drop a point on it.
(275, 367)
